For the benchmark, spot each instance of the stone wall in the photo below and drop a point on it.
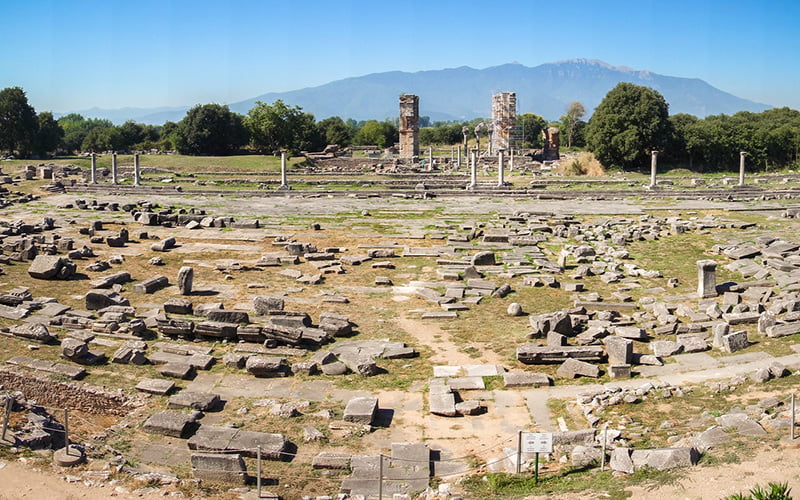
(73, 396)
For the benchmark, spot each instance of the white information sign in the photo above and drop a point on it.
(537, 442)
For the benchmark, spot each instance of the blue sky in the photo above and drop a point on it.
(72, 55)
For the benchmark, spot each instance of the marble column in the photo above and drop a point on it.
(500, 168)
(458, 157)
(742, 154)
(94, 168)
(114, 172)
(284, 180)
(653, 165)
(473, 170)
(706, 278)
(137, 178)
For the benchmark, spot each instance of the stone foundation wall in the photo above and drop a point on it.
(73, 396)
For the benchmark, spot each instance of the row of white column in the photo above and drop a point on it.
(137, 176)
(654, 163)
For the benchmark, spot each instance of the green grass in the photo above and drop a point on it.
(569, 480)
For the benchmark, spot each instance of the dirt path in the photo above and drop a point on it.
(19, 480)
(445, 350)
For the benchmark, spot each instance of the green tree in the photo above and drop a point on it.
(380, 134)
(49, 134)
(210, 129)
(630, 121)
(18, 124)
(531, 126)
(75, 129)
(336, 131)
(572, 123)
(278, 126)
(130, 133)
(102, 139)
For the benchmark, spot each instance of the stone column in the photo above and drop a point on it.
(706, 278)
(500, 168)
(409, 126)
(94, 168)
(458, 158)
(742, 154)
(430, 158)
(284, 182)
(653, 164)
(137, 178)
(114, 178)
(473, 170)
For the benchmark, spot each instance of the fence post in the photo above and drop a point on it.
(380, 476)
(258, 469)
(519, 451)
(66, 430)
(792, 420)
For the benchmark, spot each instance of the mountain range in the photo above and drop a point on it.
(464, 93)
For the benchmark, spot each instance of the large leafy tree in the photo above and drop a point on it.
(49, 134)
(76, 127)
(629, 123)
(18, 123)
(373, 132)
(210, 129)
(278, 126)
(531, 126)
(336, 131)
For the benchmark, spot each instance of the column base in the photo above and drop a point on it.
(284, 187)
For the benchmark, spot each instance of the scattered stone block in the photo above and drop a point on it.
(169, 423)
(202, 401)
(573, 368)
(526, 379)
(222, 467)
(155, 386)
(361, 410)
(151, 285)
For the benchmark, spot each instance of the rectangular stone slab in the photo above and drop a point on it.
(155, 386)
(361, 410)
(536, 355)
(211, 438)
(168, 423)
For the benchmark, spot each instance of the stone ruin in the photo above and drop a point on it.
(504, 119)
(409, 126)
(551, 138)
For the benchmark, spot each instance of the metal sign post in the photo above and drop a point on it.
(535, 442)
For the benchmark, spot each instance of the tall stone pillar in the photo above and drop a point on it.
(137, 178)
(284, 182)
(409, 126)
(500, 168)
(742, 154)
(706, 278)
(473, 169)
(430, 157)
(94, 168)
(458, 157)
(504, 120)
(114, 172)
(653, 164)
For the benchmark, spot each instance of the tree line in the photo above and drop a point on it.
(629, 123)
(206, 129)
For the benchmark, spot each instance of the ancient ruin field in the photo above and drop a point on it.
(371, 339)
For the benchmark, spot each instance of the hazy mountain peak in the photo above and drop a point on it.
(464, 93)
